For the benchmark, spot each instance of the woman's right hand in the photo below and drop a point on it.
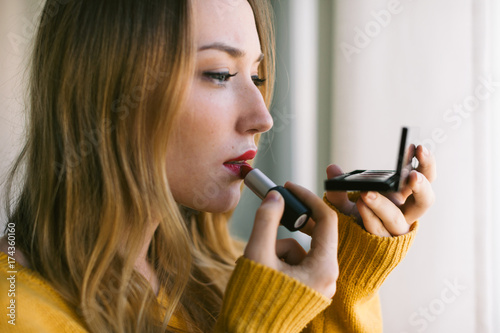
(317, 268)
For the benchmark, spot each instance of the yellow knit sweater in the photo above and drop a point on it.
(257, 298)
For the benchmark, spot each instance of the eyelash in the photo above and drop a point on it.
(258, 81)
(221, 77)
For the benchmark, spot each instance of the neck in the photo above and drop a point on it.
(142, 265)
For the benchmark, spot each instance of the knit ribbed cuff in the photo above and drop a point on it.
(365, 260)
(261, 299)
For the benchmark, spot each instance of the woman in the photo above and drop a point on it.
(142, 115)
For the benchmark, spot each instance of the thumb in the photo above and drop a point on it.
(261, 246)
(339, 199)
(333, 170)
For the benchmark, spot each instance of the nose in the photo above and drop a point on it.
(254, 117)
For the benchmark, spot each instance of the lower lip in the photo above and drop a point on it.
(235, 168)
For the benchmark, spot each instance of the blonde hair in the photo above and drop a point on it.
(106, 83)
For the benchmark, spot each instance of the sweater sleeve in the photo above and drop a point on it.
(365, 261)
(260, 299)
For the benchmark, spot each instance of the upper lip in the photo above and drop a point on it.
(249, 155)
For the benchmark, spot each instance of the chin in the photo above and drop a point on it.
(216, 201)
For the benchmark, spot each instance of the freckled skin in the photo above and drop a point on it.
(222, 114)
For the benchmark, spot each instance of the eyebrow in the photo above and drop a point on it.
(232, 51)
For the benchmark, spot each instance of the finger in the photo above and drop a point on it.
(262, 240)
(325, 233)
(427, 166)
(333, 170)
(371, 221)
(308, 228)
(320, 211)
(422, 198)
(319, 269)
(338, 198)
(399, 198)
(390, 215)
(290, 251)
(404, 191)
(426, 163)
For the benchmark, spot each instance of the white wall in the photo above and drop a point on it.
(16, 31)
(413, 69)
(495, 152)
(418, 63)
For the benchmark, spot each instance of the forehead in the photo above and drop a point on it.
(225, 21)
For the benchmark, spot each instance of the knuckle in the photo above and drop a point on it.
(396, 217)
(376, 203)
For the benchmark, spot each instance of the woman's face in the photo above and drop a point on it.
(215, 133)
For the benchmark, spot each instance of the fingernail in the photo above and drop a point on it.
(371, 195)
(420, 177)
(425, 151)
(272, 196)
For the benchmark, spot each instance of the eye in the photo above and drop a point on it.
(219, 77)
(258, 81)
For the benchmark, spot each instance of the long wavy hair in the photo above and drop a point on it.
(107, 80)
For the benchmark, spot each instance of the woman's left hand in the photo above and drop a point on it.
(391, 214)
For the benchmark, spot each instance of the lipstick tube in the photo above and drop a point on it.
(295, 215)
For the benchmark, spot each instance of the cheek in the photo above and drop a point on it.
(206, 120)
(204, 136)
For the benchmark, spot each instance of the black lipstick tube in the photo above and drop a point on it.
(295, 215)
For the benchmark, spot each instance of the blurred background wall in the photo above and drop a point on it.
(350, 74)
(359, 70)
(17, 22)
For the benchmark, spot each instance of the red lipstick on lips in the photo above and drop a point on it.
(237, 163)
(245, 169)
